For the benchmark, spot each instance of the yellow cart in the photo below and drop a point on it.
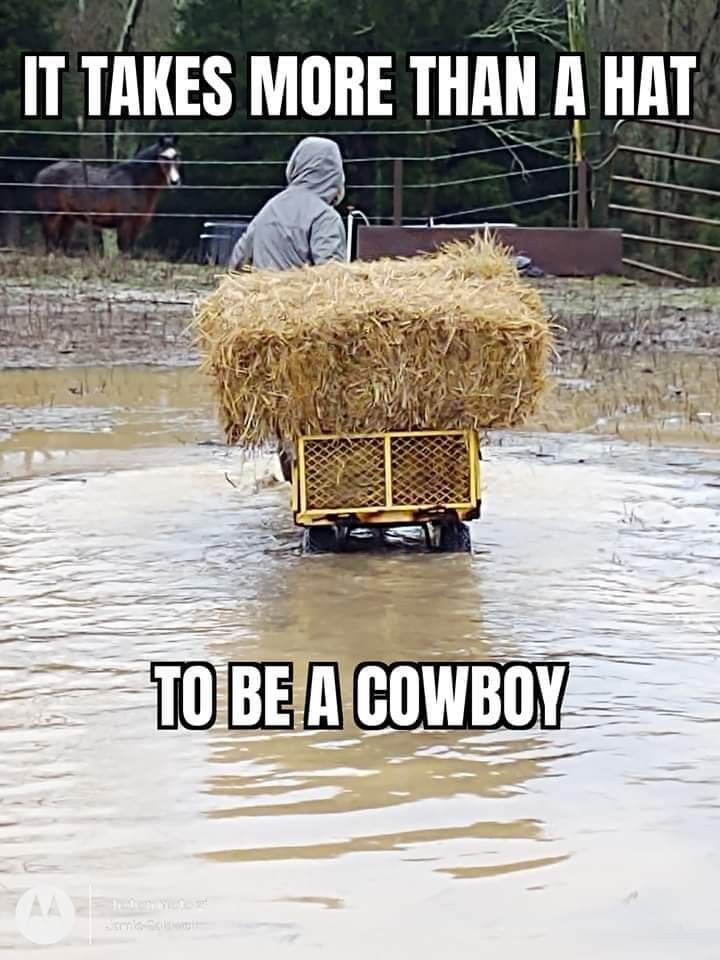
(426, 478)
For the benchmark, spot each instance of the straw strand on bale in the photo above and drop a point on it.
(453, 339)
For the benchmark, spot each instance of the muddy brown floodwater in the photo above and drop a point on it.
(127, 534)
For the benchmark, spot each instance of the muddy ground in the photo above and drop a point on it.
(59, 310)
(639, 361)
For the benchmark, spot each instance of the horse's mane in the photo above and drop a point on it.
(147, 153)
(132, 166)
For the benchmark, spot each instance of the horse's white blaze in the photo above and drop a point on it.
(172, 174)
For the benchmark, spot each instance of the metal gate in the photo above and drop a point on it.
(676, 163)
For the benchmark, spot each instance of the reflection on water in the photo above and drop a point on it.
(46, 414)
(375, 608)
(595, 840)
(49, 418)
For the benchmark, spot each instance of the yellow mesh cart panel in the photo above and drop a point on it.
(343, 471)
(387, 477)
(430, 469)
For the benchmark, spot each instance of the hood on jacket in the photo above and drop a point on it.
(316, 164)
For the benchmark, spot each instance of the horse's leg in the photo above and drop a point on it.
(127, 232)
(44, 226)
(94, 240)
(66, 229)
(49, 224)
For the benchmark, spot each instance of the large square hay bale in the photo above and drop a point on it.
(455, 339)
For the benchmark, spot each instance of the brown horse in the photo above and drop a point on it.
(122, 197)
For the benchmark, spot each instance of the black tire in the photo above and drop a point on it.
(319, 539)
(454, 537)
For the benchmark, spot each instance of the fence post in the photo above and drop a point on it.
(583, 219)
(397, 191)
(9, 230)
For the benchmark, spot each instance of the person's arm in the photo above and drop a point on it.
(327, 237)
(242, 252)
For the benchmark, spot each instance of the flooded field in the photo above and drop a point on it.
(129, 533)
(652, 397)
(656, 397)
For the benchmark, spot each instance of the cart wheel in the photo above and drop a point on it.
(452, 537)
(319, 540)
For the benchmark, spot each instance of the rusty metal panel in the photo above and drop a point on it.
(561, 251)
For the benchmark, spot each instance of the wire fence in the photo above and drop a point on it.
(279, 186)
(388, 158)
(424, 187)
(428, 130)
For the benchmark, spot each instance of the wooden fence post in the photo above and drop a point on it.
(583, 218)
(397, 191)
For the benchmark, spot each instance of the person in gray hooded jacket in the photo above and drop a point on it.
(299, 226)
